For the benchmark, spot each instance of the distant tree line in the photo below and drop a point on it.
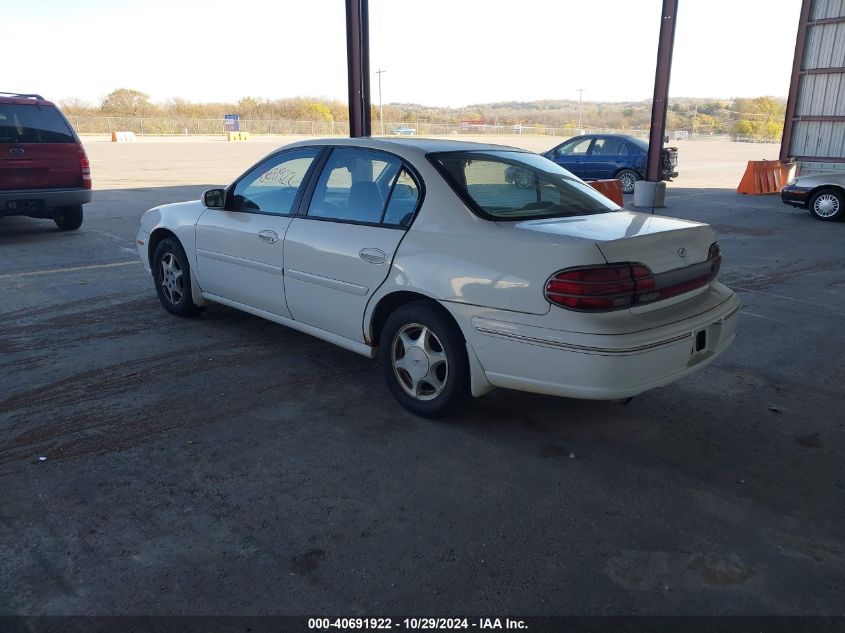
(756, 117)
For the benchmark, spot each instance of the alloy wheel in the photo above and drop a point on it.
(171, 278)
(628, 181)
(419, 361)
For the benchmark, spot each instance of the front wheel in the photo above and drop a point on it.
(424, 361)
(628, 177)
(69, 218)
(172, 275)
(827, 205)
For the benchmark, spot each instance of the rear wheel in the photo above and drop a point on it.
(424, 360)
(172, 275)
(827, 205)
(628, 177)
(69, 218)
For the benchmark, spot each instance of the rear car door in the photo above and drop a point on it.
(603, 160)
(240, 248)
(340, 250)
(572, 155)
(38, 149)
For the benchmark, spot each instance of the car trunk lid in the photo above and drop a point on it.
(675, 251)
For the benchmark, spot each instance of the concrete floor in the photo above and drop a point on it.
(227, 465)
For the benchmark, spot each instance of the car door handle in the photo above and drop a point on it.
(271, 237)
(373, 255)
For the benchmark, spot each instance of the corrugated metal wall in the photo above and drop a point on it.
(818, 129)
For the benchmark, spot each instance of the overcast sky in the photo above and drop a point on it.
(435, 52)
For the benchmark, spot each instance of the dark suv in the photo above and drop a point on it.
(44, 171)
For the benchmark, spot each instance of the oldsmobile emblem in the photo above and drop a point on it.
(682, 252)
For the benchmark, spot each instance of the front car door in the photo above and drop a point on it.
(340, 250)
(572, 155)
(240, 248)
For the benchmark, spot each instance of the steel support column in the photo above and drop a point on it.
(661, 89)
(795, 81)
(358, 64)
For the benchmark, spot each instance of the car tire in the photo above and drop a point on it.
(628, 178)
(423, 357)
(69, 218)
(827, 205)
(172, 276)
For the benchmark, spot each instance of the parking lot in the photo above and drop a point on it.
(228, 465)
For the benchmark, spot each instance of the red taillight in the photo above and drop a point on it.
(714, 258)
(618, 286)
(85, 168)
(594, 288)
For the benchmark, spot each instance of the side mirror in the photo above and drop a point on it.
(214, 198)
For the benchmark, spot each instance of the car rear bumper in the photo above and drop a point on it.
(600, 367)
(796, 196)
(40, 202)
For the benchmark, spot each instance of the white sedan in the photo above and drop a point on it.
(423, 254)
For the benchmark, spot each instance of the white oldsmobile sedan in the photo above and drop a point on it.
(422, 253)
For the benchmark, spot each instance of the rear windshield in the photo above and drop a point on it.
(33, 124)
(509, 185)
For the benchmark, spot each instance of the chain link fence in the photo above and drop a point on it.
(177, 126)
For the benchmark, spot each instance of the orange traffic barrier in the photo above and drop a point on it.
(765, 176)
(122, 137)
(610, 188)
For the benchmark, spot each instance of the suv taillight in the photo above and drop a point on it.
(85, 168)
(619, 286)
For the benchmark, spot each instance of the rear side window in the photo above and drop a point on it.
(364, 186)
(606, 147)
(33, 124)
(518, 186)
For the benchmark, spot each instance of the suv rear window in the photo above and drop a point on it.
(518, 186)
(33, 124)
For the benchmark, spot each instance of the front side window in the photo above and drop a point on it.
(575, 147)
(272, 186)
(355, 186)
(511, 185)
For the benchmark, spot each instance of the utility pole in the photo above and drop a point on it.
(695, 119)
(580, 92)
(380, 109)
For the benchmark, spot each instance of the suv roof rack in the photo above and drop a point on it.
(24, 95)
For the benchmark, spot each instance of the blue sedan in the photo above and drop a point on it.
(600, 156)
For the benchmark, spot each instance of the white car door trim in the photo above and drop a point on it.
(328, 282)
(340, 341)
(231, 259)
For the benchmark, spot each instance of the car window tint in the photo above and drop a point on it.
(519, 185)
(606, 147)
(623, 150)
(403, 201)
(271, 186)
(353, 185)
(575, 147)
(33, 124)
